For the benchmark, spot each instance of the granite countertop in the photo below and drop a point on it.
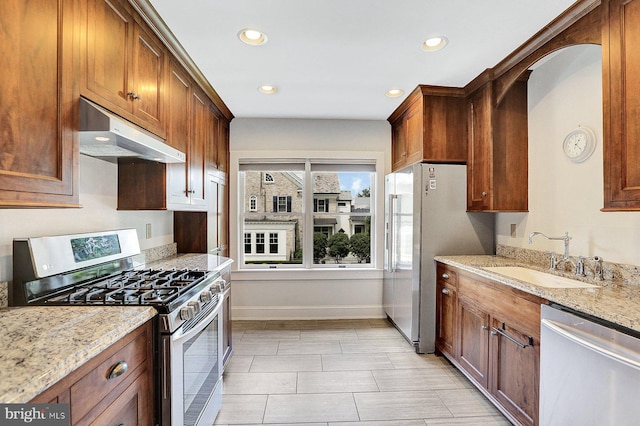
(41, 345)
(614, 300)
(208, 262)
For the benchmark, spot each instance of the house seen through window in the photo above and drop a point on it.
(328, 225)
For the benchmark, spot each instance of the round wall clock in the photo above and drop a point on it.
(579, 144)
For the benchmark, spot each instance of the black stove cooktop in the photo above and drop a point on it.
(154, 287)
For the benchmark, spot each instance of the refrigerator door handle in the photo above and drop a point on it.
(391, 267)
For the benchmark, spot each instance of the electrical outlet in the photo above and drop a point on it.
(513, 230)
(148, 231)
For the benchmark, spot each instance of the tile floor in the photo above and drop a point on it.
(343, 373)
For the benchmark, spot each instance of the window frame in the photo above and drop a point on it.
(255, 159)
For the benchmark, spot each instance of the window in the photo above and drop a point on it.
(321, 205)
(318, 213)
(247, 242)
(273, 243)
(259, 243)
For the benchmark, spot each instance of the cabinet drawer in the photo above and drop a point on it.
(93, 387)
(445, 274)
(131, 407)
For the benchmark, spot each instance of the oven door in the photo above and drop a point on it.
(191, 373)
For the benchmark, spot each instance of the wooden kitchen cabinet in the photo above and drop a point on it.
(38, 159)
(496, 341)
(446, 312)
(497, 167)
(95, 398)
(124, 64)
(429, 126)
(621, 103)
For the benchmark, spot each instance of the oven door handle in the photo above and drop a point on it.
(201, 325)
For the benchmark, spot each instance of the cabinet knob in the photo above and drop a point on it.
(484, 194)
(494, 334)
(134, 96)
(118, 369)
(445, 291)
(485, 328)
(445, 276)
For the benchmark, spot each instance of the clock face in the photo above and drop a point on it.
(579, 144)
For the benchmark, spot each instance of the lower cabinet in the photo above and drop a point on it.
(114, 388)
(493, 338)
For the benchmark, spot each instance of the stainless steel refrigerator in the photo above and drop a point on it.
(425, 216)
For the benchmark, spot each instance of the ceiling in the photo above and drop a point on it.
(335, 59)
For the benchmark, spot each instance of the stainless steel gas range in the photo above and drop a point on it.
(98, 269)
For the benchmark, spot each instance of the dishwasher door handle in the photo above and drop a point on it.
(591, 342)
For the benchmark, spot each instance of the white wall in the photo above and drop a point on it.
(564, 92)
(307, 294)
(98, 181)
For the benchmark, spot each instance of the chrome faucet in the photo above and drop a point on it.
(565, 258)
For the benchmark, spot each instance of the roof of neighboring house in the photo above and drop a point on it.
(345, 196)
(326, 183)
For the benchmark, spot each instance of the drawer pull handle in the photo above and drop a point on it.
(496, 331)
(445, 291)
(118, 369)
(445, 276)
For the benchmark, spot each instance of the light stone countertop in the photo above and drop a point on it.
(204, 262)
(614, 300)
(41, 345)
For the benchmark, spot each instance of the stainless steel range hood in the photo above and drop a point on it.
(106, 136)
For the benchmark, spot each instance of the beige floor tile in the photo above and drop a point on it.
(354, 362)
(379, 322)
(301, 408)
(336, 381)
(291, 325)
(377, 333)
(259, 383)
(470, 421)
(413, 360)
(281, 363)
(270, 335)
(329, 334)
(344, 323)
(414, 380)
(309, 348)
(248, 325)
(382, 423)
(239, 363)
(466, 403)
(241, 409)
(249, 348)
(375, 346)
(400, 405)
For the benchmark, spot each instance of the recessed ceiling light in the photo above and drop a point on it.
(252, 37)
(434, 43)
(394, 93)
(267, 89)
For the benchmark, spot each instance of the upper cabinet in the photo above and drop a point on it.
(621, 104)
(429, 126)
(123, 64)
(497, 173)
(38, 159)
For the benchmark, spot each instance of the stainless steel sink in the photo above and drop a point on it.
(541, 279)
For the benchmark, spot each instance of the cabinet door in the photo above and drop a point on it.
(515, 360)
(621, 103)
(147, 78)
(178, 131)
(213, 137)
(108, 52)
(38, 159)
(414, 133)
(480, 150)
(446, 301)
(473, 345)
(223, 146)
(398, 145)
(196, 156)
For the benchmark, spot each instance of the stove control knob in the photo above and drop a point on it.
(195, 306)
(205, 296)
(187, 312)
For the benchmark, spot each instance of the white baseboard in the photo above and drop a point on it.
(305, 312)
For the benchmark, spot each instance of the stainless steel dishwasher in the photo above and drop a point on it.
(589, 371)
